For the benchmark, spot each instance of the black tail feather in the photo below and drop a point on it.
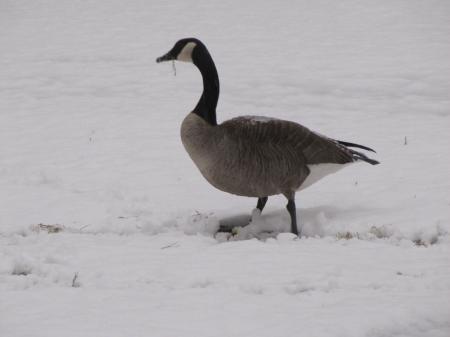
(358, 155)
(368, 160)
(361, 156)
(355, 145)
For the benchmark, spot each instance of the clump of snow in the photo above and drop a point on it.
(22, 266)
(198, 223)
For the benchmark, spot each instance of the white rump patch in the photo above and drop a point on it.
(186, 53)
(319, 171)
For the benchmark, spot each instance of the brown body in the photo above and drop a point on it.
(255, 157)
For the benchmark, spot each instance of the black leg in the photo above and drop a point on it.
(292, 212)
(261, 203)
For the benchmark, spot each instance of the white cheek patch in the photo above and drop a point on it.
(186, 53)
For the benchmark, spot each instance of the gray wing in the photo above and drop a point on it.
(287, 139)
(272, 155)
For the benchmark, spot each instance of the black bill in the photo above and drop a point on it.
(166, 57)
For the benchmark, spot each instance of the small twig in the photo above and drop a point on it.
(406, 141)
(127, 217)
(75, 284)
(174, 244)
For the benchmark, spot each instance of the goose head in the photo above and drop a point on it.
(184, 50)
(194, 51)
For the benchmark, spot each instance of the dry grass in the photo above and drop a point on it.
(47, 228)
(347, 235)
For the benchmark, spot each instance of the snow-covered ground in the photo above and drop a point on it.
(90, 149)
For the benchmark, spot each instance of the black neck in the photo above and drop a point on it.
(206, 106)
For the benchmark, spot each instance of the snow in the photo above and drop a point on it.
(107, 228)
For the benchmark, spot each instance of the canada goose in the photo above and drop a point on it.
(254, 156)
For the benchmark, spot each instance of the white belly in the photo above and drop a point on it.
(319, 171)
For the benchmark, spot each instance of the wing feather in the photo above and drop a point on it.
(287, 141)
